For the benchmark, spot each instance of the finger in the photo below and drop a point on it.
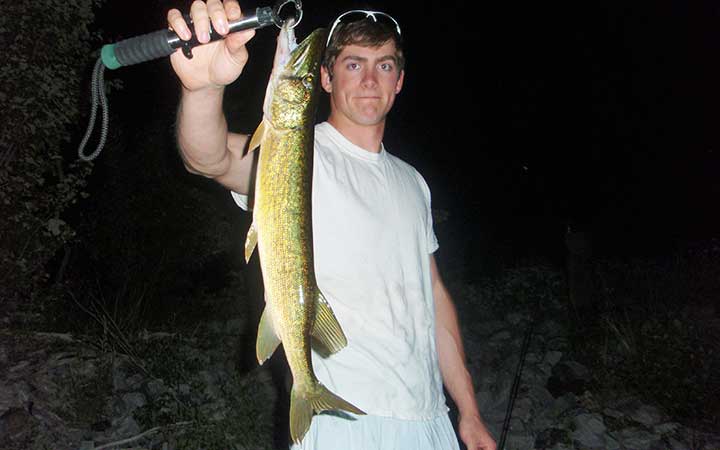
(232, 10)
(199, 14)
(235, 47)
(235, 42)
(217, 16)
(176, 21)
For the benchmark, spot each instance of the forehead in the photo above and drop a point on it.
(388, 49)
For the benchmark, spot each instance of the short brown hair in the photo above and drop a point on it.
(366, 33)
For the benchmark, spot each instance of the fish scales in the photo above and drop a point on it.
(296, 313)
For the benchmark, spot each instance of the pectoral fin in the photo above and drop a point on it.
(327, 331)
(250, 242)
(267, 339)
(257, 137)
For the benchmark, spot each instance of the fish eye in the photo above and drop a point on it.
(309, 81)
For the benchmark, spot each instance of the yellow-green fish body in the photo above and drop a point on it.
(296, 312)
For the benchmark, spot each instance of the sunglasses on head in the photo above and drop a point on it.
(361, 14)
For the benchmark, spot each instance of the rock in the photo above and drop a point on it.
(553, 357)
(638, 439)
(493, 403)
(541, 396)
(125, 427)
(520, 440)
(666, 428)
(646, 415)
(612, 444)
(562, 404)
(589, 431)
(133, 400)
(614, 413)
(551, 437)
(134, 382)
(155, 388)
(674, 444)
(119, 375)
(523, 408)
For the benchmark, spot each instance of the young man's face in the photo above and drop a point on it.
(364, 83)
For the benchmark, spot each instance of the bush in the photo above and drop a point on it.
(41, 99)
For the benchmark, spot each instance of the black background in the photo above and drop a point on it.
(526, 118)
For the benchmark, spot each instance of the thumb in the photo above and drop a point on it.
(235, 42)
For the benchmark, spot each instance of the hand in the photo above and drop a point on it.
(213, 65)
(475, 434)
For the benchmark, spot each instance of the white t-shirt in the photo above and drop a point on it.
(372, 237)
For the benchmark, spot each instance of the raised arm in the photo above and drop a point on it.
(453, 367)
(206, 146)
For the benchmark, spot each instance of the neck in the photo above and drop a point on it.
(367, 137)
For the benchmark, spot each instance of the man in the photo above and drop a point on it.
(373, 236)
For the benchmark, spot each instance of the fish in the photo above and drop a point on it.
(296, 312)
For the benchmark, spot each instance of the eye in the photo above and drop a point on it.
(353, 66)
(387, 66)
(308, 81)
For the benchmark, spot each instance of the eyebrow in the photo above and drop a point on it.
(363, 59)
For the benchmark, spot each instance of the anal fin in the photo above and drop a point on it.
(267, 339)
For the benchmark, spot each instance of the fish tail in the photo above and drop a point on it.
(306, 402)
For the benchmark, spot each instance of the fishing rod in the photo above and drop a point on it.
(518, 376)
(162, 43)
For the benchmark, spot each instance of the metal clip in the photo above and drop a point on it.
(279, 21)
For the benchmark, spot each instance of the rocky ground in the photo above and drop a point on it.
(166, 391)
(556, 407)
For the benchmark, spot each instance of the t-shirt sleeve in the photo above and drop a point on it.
(432, 242)
(241, 200)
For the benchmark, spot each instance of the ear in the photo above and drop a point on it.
(399, 84)
(325, 79)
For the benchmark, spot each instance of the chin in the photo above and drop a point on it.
(373, 118)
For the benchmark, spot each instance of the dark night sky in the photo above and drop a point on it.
(524, 116)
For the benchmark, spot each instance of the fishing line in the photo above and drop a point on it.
(162, 43)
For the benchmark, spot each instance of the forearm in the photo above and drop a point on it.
(202, 132)
(451, 354)
(456, 377)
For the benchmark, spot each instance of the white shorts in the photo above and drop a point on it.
(341, 431)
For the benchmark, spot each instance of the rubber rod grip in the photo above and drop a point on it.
(139, 49)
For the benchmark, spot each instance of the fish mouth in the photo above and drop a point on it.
(308, 53)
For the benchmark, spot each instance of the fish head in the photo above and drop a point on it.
(296, 87)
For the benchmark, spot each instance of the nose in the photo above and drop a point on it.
(369, 78)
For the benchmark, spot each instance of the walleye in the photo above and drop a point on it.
(296, 312)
